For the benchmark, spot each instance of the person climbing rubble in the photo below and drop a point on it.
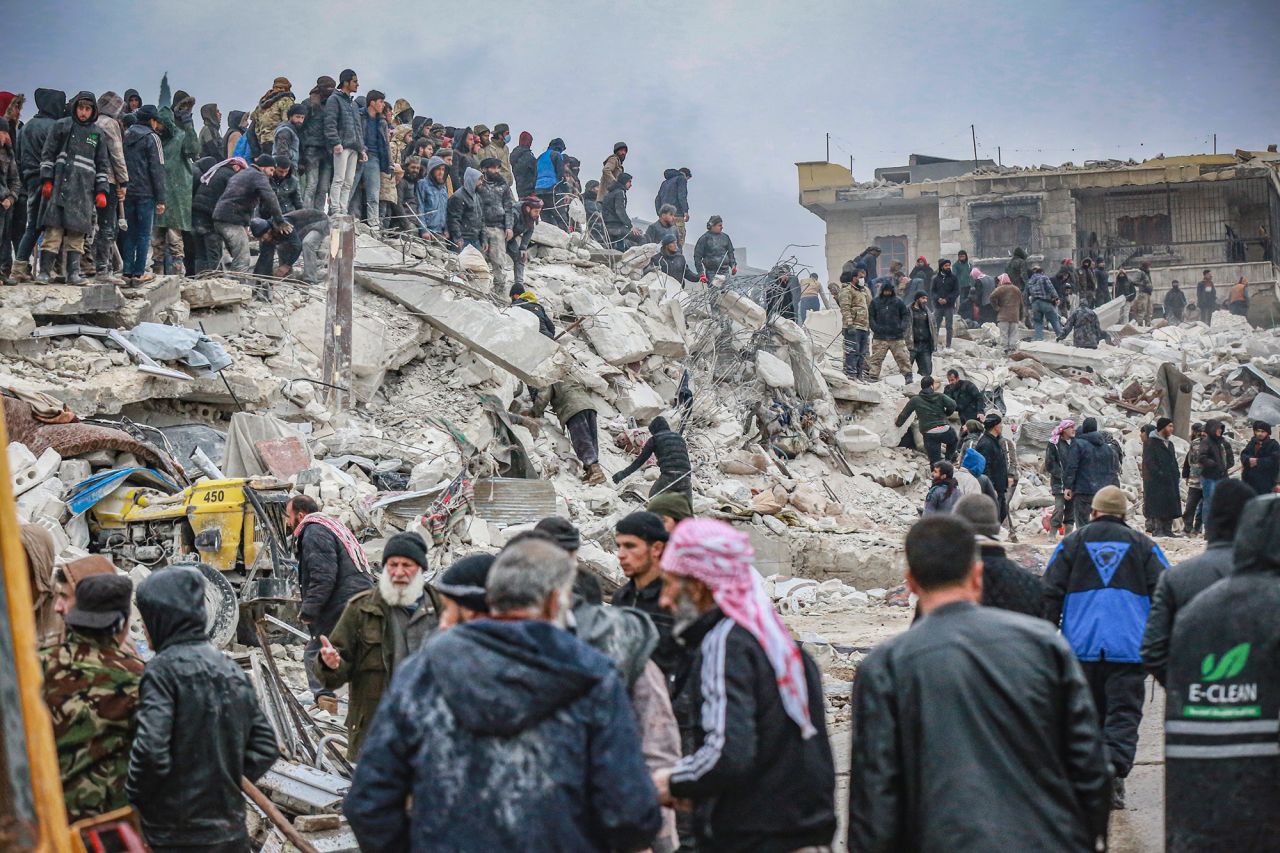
(576, 411)
(1083, 326)
(675, 472)
(932, 409)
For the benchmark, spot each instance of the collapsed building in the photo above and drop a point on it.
(171, 421)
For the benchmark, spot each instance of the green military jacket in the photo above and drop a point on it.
(363, 637)
(91, 689)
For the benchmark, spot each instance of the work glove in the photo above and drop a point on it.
(734, 270)
(100, 201)
(703, 278)
(47, 189)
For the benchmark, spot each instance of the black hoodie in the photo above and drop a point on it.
(51, 105)
(674, 191)
(199, 725)
(233, 126)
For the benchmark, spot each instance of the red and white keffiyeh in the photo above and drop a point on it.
(721, 557)
(345, 537)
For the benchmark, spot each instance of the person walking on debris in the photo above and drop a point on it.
(521, 234)
(945, 491)
(921, 728)
(922, 335)
(576, 411)
(1043, 297)
(497, 210)
(997, 469)
(1222, 763)
(1008, 303)
(670, 261)
(1206, 297)
(944, 292)
(761, 777)
(675, 472)
(1085, 330)
(450, 759)
(613, 208)
(73, 172)
(674, 192)
(1161, 501)
(889, 319)
(145, 196)
(1216, 461)
(1091, 463)
(855, 319)
(932, 409)
(1260, 460)
(1098, 586)
(1005, 584)
(378, 630)
(1175, 303)
(713, 253)
(91, 688)
(1181, 583)
(332, 568)
(200, 729)
(1056, 452)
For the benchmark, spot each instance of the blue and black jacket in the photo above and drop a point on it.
(1098, 585)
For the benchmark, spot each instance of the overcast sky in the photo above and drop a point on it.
(737, 91)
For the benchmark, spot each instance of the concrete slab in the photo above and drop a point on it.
(1053, 354)
(215, 292)
(59, 300)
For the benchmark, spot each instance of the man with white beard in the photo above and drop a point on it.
(379, 628)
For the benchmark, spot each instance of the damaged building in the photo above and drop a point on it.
(1181, 214)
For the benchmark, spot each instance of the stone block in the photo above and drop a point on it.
(667, 339)
(637, 399)
(857, 439)
(545, 234)
(742, 309)
(824, 327)
(615, 333)
(224, 322)
(146, 303)
(59, 300)
(1052, 354)
(15, 324)
(73, 471)
(774, 372)
(215, 292)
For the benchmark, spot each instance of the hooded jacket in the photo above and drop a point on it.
(1262, 477)
(945, 286)
(1222, 762)
(673, 191)
(200, 727)
(613, 209)
(1017, 268)
(713, 254)
(433, 198)
(248, 189)
(51, 105)
(466, 220)
(1030, 732)
(75, 159)
(233, 133)
(272, 109)
(108, 121)
(180, 151)
(890, 317)
(508, 735)
(1098, 585)
(142, 153)
(211, 133)
(496, 207)
(10, 182)
(207, 196)
(549, 169)
(997, 469)
(1090, 464)
(930, 407)
(1215, 456)
(672, 454)
(1176, 588)
(1085, 329)
(524, 165)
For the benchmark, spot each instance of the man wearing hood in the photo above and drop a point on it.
(944, 292)
(613, 209)
(524, 165)
(10, 195)
(675, 471)
(315, 163)
(1222, 763)
(713, 253)
(51, 105)
(761, 775)
(199, 726)
(1216, 460)
(108, 121)
(1018, 268)
(1260, 460)
(464, 216)
(497, 211)
(210, 138)
(378, 630)
(147, 192)
(889, 318)
(1090, 464)
(1098, 586)
(181, 147)
(1161, 497)
(855, 323)
(549, 171)
(1175, 303)
(932, 409)
(922, 334)
(132, 100)
(611, 171)
(922, 271)
(674, 191)
(237, 121)
(507, 733)
(70, 188)
(433, 198)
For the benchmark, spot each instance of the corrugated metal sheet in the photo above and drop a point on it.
(510, 500)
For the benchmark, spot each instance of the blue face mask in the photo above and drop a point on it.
(506, 137)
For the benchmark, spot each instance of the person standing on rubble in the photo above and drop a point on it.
(1098, 586)
(932, 409)
(926, 756)
(497, 211)
(1056, 452)
(1161, 497)
(762, 776)
(146, 193)
(674, 191)
(332, 569)
(713, 253)
(211, 184)
(1008, 303)
(664, 224)
(200, 729)
(923, 271)
(70, 187)
(1043, 297)
(945, 491)
(1143, 289)
(991, 447)
(922, 334)
(943, 293)
(433, 198)
(1175, 303)
(537, 735)
(612, 171)
(675, 471)
(1017, 268)
(1091, 463)
(670, 261)
(613, 209)
(524, 165)
(1193, 517)
(855, 320)
(521, 235)
(51, 106)
(889, 319)
(378, 630)
(576, 411)
(1206, 298)
(1222, 765)
(1260, 460)
(1183, 582)
(1216, 460)
(1084, 327)
(966, 395)
(463, 214)
(91, 688)
(343, 134)
(549, 171)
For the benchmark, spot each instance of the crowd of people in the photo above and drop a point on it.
(95, 186)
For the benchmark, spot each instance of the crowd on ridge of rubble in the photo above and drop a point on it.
(116, 183)
(501, 704)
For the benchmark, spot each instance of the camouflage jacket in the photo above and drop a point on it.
(91, 690)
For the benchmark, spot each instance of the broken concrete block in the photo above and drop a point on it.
(72, 471)
(215, 292)
(742, 309)
(15, 325)
(59, 300)
(824, 327)
(1054, 354)
(615, 333)
(147, 303)
(224, 322)
(638, 400)
(36, 471)
(667, 339)
(774, 372)
(545, 234)
(844, 388)
(857, 439)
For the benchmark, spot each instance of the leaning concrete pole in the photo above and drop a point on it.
(337, 315)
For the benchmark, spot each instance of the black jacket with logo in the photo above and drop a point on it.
(971, 701)
(1222, 707)
(1176, 588)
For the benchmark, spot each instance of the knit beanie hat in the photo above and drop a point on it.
(981, 513)
(408, 545)
(671, 504)
(464, 581)
(1110, 501)
(562, 531)
(643, 525)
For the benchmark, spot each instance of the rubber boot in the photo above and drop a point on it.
(88, 267)
(21, 272)
(47, 260)
(595, 474)
(73, 269)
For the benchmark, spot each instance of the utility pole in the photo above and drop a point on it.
(1215, 143)
(850, 164)
(973, 133)
(999, 159)
(337, 309)
(828, 148)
